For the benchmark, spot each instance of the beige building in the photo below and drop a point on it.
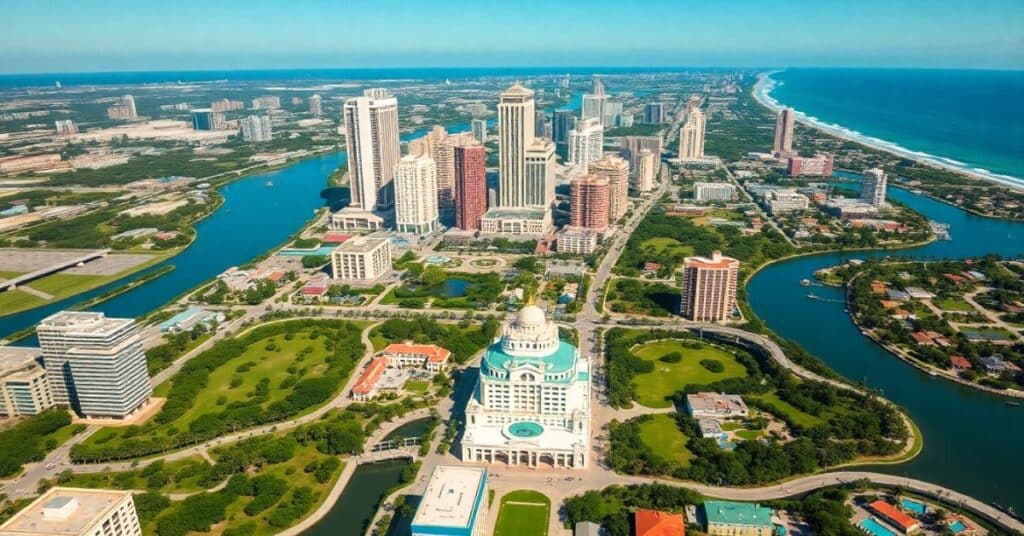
(416, 195)
(616, 170)
(371, 140)
(646, 171)
(440, 146)
(784, 122)
(872, 187)
(525, 163)
(516, 221)
(586, 142)
(76, 512)
(361, 259)
(709, 288)
(691, 136)
(24, 389)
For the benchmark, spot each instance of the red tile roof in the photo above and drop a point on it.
(335, 238)
(652, 266)
(893, 515)
(655, 523)
(370, 376)
(959, 362)
(434, 353)
(921, 337)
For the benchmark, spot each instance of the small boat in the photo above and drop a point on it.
(805, 282)
(269, 184)
(1013, 403)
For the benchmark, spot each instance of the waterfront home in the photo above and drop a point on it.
(657, 523)
(715, 405)
(960, 362)
(996, 365)
(727, 518)
(894, 516)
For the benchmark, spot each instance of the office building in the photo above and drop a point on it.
(654, 113)
(562, 123)
(586, 143)
(577, 240)
(266, 102)
(539, 186)
(531, 405)
(646, 171)
(624, 120)
(631, 146)
(525, 163)
(783, 145)
(362, 259)
(783, 201)
(589, 202)
(207, 119)
(872, 187)
(540, 119)
(24, 389)
(65, 127)
(316, 105)
(713, 191)
(416, 195)
(95, 365)
(709, 288)
(256, 128)
(76, 512)
(593, 107)
(123, 109)
(616, 170)
(727, 518)
(455, 503)
(440, 146)
(470, 186)
(371, 140)
(819, 166)
(611, 112)
(691, 136)
(480, 130)
(226, 105)
(532, 221)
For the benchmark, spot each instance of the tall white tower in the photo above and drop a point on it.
(371, 139)
(416, 195)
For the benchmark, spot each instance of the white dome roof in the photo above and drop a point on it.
(531, 315)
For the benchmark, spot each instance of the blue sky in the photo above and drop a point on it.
(93, 35)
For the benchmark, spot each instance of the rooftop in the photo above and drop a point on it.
(84, 323)
(60, 511)
(893, 514)
(655, 523)
(362, 244)
(560, 361)
(434, 353)
(368, 380)
(737, 513)
(509, 213)
(14, 358)
(451, 498)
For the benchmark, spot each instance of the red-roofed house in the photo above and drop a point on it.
(316, 287)
(427, 356)
(335, 238)
(651, 267)
(878, 287)
(655, 523)
(960, 362)
(366, 386)
(954, 278)
(922, 338)
(891, 514)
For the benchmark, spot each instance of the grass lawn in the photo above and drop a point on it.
(185, 476)
(417, 386)
(664, 244)
(952, 304)
(13, 301)
(654, 388)
(661, 434)
(748, 434)
(523, 512)
(790, 411)
(4, 274)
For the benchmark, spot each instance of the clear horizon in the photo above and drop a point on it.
(122, 35)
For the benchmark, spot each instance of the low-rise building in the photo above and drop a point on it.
(713, 191)
(426, 356)
(894, 516)
(362, 259)
(454, 503)
(366, 387)
(658, 523)
(782, 201)
(727, 518)
(710, 428)
(76, 512)
(577, 240)
(715, 405)
(189, 318)
(24, 389)
(516, 221)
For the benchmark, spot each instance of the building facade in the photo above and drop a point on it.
(577, 240)
(440, 146)
(586, 143)
(654, 113)
(630, 148)
(95, 365)
(76, 512)
(713, 191)
(645, 172)
(709, 288)
(691, 136)
(316, 105)
(416, 208)
(256, 128)
(819, 166)
(783, 201)
(65, 127)
(207, 119)
(479, 130)
(361, 259)
(616, 170)
(784, 123)
(123, 109)
(266, 102)
(371, 140)
(470, 186)
(24, 388)
(727, 518)
(531, 404)
(872, 187)
(589, 202)
(534, 221)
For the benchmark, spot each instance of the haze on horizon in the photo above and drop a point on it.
(124, 35)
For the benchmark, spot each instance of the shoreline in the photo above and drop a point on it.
(762, 94)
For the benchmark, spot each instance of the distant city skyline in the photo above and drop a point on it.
(122, 35)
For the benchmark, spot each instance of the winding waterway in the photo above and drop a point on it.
(973, 441)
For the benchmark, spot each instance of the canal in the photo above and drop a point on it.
(358, 503)
(973, 441)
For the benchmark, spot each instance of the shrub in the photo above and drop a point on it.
(673, 357)
(713, 365)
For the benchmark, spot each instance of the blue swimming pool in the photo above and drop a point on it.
(322, 250)
(957, 526)
(873, 527)
(525, 429)
(916, 507)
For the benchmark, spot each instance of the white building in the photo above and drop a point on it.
(593, 107)
(371, 140)
(316, 106)
(257, 128)
(124, 108)
(872, 187)
(362, 259)
(691, 136)
(24, 389)
(416, 195)
(430, 357)
(95, 365)
(646, 170)
(713, 191)
(533, 221)
(76, 512)
(578, 240)
(454, 503)
(531, 405)
(782, 201)
(586, 143)
(715, 405)
(266, 102)
(525, 163)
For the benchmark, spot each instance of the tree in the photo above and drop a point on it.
(433, 276)
(314, 261)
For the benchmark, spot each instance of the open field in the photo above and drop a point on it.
(655, 388)
(523, 512)
(661, 434)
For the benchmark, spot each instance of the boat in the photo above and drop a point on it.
(269, 184)
(1013, 403)
(805, 282)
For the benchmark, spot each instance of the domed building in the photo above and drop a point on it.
(531, 405)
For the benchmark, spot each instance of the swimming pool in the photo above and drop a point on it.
(957, 526)
(873, 527)
(525, 429)
(322, 250)
(917, 507)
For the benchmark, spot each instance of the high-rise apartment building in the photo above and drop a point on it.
(709, 288)
(691, 136)
(589, 202)
(226, 105)
(692, 104)
(616, 170)
(207, 119)
(361, 259)
(440, 146)
(819, 166)
(646, 171)
(76, 512)
(123, 109)
(654, 113)
(540, 120)
(611, 113)
(316, 105)
(266, 102)
(713, 191)
(256, 128)
(525, 164)
(416, 195)
(593, 106)
(65, 127)
(480, 130)
(872, 187)
(371, 140)
(586, 143)
(470, 186)
(784, 123)
(95, 365)
(631, 146)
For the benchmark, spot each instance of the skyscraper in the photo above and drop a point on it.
(616, 170)
(95, 365)
(692, 103)
(416, 195)
(631, 146)
(562, 122)
(645, 171)
(586, 143)
(440, 146)
(256, 128)
(518, 186)
(654, 113)
(597, 87)
(123, 109)
(611, 113)
(691, 136)
(872, 187)
(709, 288)
(316, 105)
(783, 145)
(207, 119)
(371, 139)
(480, 130)
(539, 120)
(470, 186)
(589, 202)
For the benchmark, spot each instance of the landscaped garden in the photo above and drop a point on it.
(274, 372)
(523, 512)
(679, 363)
(436, 287)
(662, 435)
(632, 296)
(33, 437)
(462, 339)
